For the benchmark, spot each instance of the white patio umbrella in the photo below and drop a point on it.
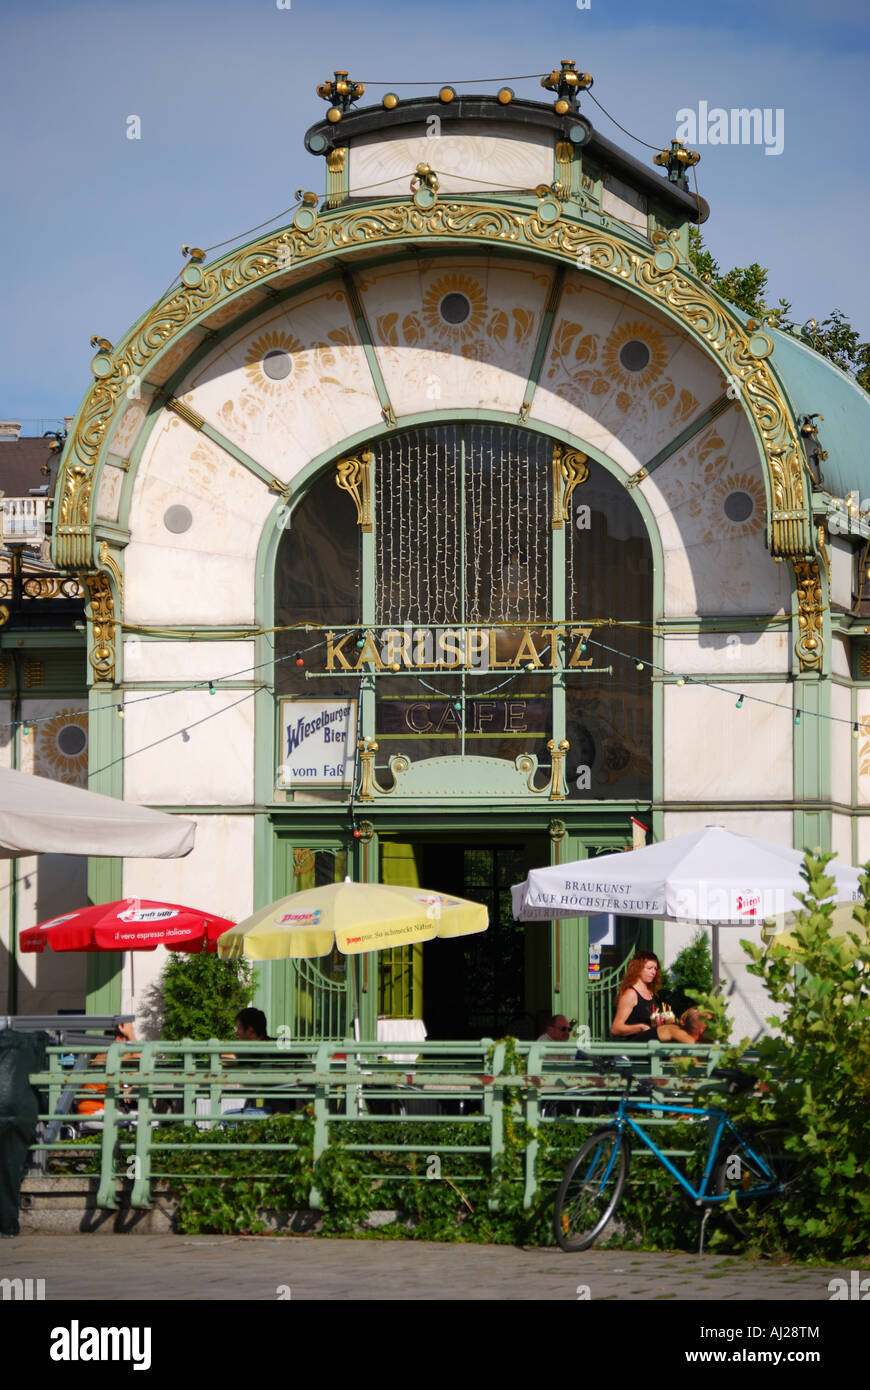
(38, 816)
(709, 877)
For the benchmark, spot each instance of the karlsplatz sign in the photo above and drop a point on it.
(457, 649)
(318, 742)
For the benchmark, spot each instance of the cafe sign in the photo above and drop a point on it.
(318, 743)
(457, 649)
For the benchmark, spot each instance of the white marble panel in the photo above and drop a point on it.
(843, 746)
(728, 655)
(624, 203)
(109, 493)
(841, 838)
(187, 661)
(551, 409)
(429, 363)
(775, 826)
(863, 855)
(217, 876)
(841, 656)
(327, 394)
(842, 558)
(204, 573)
(586, 365)
(213, 765)
(49, 884)
(863, 754)
(165, 586)
(130, 423)
(715, 752)
(513, 157)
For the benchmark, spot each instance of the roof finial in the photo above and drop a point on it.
(567, 83)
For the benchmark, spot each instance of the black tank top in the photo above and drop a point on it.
(642, 1013)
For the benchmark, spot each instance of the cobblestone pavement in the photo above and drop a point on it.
(211, 1268)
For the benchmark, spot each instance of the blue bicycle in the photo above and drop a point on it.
(755, 1169)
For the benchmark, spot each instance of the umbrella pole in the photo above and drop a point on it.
(714, 952)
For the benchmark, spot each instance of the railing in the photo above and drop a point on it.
(172, 1084)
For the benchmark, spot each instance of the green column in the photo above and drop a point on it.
(105, 876)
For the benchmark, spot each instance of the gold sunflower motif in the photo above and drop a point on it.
(642, 348)
(737, 505)
(279, 343)
(61, 748)
(454, 308)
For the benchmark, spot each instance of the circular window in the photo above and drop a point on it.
(178, 519)
(634, 355)
(72, 740)
(739, 506)
(454, 308)
(277, 364)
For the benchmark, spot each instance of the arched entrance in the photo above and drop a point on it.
(494, 595)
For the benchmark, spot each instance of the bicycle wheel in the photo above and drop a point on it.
(591, 1189)
(740, 1172)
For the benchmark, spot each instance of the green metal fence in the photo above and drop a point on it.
(164, 1085)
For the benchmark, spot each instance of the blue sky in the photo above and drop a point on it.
(93, 223)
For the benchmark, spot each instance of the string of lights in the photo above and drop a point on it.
(679, 678)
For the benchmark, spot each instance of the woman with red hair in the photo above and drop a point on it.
(639, 1013)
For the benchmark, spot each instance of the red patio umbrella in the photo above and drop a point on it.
(133, 924)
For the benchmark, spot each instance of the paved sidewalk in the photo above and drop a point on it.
(262, 1268)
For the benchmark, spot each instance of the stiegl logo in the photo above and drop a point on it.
(75, 1343)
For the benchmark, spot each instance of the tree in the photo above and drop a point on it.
(816, 1071)
(746, 288)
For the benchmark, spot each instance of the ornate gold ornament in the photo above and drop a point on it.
(353, 474)
(810, 645)
(102, 653)
(335, 165)
(189, 416)
(424, 187)
(557, 790)
(657, 277)
(569, 469)
(367, 749)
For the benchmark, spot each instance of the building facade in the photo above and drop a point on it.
(448, 531)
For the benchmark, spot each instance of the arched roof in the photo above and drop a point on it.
(814, 386)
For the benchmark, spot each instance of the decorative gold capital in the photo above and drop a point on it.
(558, 830)
(569, 469)
(366, 831)
(102, 653)
(367, 749)
(810, 645)
(558, 752)
(353, 475)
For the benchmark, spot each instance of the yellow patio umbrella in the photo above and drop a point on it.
(841, 922)
(354, 917)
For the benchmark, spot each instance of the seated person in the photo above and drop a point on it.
(639, 1010)
(556, 1028)
(251, 1027)
(94, 1103)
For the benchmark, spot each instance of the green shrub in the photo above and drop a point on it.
(820, 1088)
(201, 995)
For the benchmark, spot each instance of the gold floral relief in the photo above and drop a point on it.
(61, 748)
(275, 341)
(433, 299)
(652, 340)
